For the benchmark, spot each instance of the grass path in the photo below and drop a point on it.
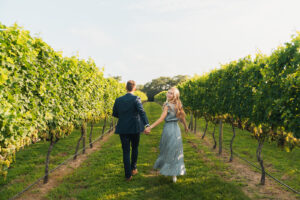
(101, 176)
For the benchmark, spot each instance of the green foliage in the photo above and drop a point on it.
(141, 94)
(161, 97)
(261, 95)
(279, 90)
(44, 95)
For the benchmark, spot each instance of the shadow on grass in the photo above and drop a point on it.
(160, 187)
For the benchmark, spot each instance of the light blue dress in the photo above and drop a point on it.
(170, 160)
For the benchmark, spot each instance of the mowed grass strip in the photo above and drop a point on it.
(102, 175)
(282, 164)
(30, 161)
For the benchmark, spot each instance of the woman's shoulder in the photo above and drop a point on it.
(165, 105)
(169, 105)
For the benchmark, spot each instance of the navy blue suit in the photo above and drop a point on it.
(132, 120)
(131, 114)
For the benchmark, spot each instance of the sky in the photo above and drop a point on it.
(144, 39)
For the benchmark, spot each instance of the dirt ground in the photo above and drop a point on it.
(242, 171)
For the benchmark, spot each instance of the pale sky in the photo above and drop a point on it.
(146, 39)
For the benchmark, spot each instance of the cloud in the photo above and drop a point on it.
(93, 36)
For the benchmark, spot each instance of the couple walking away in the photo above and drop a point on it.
(133, 120)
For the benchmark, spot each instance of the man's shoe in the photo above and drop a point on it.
(129, 179)
(134, 172)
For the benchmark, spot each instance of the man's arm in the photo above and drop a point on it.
(115, 112)
(141, 111)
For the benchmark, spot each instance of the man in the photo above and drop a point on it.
(132, 121)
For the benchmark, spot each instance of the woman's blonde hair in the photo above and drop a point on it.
(180, 114)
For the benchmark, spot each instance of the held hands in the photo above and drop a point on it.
(187, 129)
(147, 130)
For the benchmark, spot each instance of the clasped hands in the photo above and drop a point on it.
(147, 130)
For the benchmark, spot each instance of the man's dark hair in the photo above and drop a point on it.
(130, 85)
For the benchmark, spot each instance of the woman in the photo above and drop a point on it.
(170, 160)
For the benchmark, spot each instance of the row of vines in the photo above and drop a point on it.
(44, 96)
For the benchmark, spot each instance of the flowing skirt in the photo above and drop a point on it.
(170, 160)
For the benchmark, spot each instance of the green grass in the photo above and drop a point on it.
(101, 176)
(283, 165)
(30, 162)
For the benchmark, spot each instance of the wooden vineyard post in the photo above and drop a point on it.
(220, 136)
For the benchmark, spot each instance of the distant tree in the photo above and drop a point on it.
(118, 78)
(140, 87)
(161, 84)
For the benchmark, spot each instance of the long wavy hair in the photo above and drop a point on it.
(180, 114)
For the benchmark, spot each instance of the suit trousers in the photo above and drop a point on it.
(126, 140)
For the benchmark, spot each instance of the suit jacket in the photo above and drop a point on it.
(131, 114)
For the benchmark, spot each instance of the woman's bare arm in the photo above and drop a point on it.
(161, 119)
(185, 125)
